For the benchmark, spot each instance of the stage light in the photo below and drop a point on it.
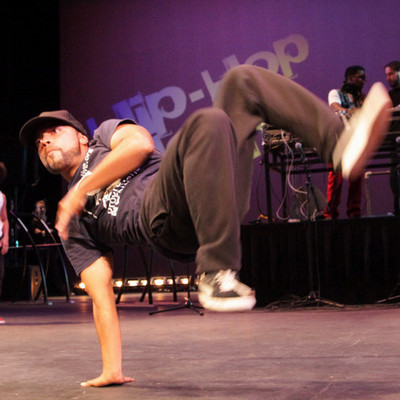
(118, 283)
(79, 288)
(184, 280)
(159, 281)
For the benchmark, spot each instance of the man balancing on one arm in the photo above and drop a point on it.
(188, 203)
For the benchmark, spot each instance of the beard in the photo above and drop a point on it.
(59, 160)
(395, 84)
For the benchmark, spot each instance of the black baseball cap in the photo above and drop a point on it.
(28, 133)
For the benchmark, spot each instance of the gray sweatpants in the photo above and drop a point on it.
(195, 204)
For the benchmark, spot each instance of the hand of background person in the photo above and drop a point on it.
(3, 246)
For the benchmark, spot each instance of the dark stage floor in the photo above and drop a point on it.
(324, 353)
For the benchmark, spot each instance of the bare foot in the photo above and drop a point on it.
(107, 381)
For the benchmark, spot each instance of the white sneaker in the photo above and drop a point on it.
(363, 133)
(221, 291)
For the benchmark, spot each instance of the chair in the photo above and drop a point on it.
(59, 252)
(34, 247)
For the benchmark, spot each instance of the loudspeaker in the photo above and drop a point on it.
(28, 289)
(35, 281)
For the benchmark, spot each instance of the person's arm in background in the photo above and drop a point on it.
(4, 241)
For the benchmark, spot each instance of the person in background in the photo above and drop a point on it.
(39, 231)
(392, 73)
(54, 277)
(344, 102)
(4, 227)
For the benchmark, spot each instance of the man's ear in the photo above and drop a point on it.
(83, 139)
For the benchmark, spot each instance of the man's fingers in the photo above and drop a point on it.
(72, 204)
(61, 225)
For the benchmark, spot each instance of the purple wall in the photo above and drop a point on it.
(158, 60)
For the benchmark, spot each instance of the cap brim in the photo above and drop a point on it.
(28, 133)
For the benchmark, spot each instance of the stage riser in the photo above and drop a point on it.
(356, 261)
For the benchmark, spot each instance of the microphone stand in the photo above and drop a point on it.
(266, 149)
(313, 297)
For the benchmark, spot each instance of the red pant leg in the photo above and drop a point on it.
(333, 194)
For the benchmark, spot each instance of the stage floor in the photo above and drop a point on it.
(303, 353)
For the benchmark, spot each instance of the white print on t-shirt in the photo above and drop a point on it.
(110, 197)
(85, 164)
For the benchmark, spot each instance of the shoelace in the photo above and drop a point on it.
(226, 280)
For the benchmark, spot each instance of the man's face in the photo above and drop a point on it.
(40, 207)
(358, 79)
(59, 148)
(393, 77)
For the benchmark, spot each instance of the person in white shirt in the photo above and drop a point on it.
(345, 102)
(4, 226)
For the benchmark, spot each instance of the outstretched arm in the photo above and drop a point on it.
(130, 146)
(98, 282)
(4, 220)
(336, 107)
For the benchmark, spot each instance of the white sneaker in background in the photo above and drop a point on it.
(363, 133)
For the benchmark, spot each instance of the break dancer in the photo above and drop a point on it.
(188, 203)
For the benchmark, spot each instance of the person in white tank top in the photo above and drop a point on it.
(4, 228)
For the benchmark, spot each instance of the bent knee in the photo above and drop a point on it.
(240, 71)
(213, 121)
(211, 116)
(207, 125)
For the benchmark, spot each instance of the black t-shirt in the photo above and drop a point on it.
(111, 215)
(395, 96)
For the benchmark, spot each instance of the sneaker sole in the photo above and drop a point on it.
(374, 120)
(243, 303)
